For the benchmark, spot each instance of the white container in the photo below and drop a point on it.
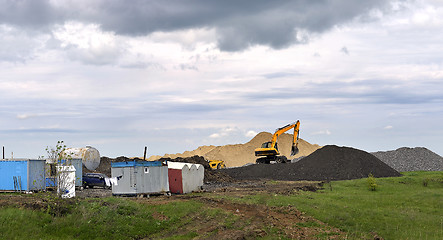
(139, 177)
(185, 177)
(89, 155)
(66, 181)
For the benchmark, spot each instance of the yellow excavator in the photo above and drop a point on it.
(269, 150)
(216, 164)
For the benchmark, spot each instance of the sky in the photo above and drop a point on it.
(173, 75)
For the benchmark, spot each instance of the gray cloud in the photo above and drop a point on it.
(374, 92)
(238, 24)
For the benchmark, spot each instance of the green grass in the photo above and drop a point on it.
(118, 218)
(408, 207)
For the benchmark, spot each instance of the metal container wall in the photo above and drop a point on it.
(191, 177)
(36, 173)
(139, 177)
(30, 173)
(77, 163)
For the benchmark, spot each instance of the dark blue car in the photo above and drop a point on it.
(95, 179)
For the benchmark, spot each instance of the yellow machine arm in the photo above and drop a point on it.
(279, 131)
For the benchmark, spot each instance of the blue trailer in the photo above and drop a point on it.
(22, 175)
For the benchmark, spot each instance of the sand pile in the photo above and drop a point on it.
(412, 159)
(240, 154)
(327, 163)
(200, 151)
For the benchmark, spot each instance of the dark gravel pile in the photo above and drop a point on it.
(327, 163)
(411, 159)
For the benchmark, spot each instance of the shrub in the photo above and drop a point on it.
(372, 184)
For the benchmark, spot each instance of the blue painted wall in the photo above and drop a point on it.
(9, 169)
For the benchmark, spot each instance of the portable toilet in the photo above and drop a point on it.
(139, 177)
(185, 177)
(22, 175)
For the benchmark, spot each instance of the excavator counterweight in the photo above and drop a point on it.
(269, 150)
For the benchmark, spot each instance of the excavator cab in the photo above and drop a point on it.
(268, 145)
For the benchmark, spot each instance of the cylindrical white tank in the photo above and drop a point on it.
(89, 155)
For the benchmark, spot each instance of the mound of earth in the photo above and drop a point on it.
(327, 163)
(236, 155)
(200, 151)
(411, 159)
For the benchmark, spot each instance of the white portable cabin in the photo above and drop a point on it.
(139, 177)
(185, 177)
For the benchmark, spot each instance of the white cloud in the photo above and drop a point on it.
(388, 127)
(87, 43)
(323, 132)
(215, 135)
(251, 134)
(26, 116)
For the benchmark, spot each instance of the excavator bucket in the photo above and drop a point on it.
(294, 150)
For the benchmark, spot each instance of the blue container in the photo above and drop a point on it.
(22, 174)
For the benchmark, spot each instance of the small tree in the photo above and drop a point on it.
(59, 163)
(372, 184)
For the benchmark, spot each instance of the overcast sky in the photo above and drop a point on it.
(174, 75)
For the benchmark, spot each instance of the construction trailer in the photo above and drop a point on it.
(185, 177)
(22, 175)
(139, 178)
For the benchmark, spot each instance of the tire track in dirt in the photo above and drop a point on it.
(288, 219)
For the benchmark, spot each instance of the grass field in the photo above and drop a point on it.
(408, 207)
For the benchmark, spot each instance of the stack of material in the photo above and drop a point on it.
(411, 159)
(327, 163)
(236, 155)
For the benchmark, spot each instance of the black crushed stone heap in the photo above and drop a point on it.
(327, 163)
